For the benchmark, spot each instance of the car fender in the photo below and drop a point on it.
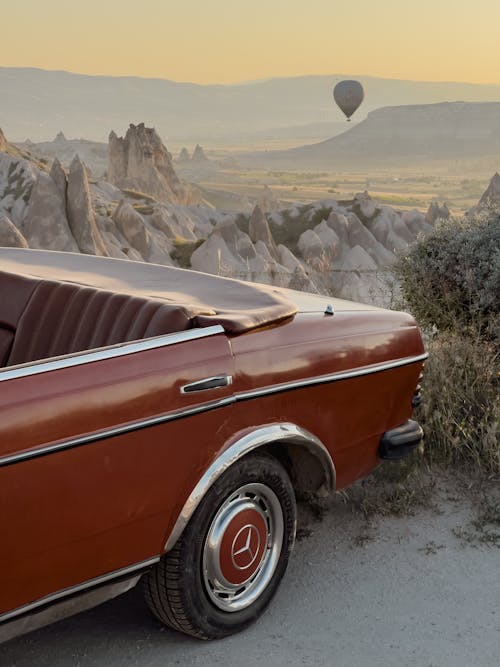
(244, 443)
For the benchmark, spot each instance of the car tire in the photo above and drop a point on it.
(232, 555)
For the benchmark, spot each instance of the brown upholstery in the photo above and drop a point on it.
(235, 305)
(6, 339)
(43, 318)
(15, 292)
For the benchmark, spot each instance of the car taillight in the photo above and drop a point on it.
(417, 394)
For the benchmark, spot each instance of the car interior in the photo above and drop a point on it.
(43, 318)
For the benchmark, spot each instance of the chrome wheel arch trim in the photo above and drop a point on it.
(284, 433)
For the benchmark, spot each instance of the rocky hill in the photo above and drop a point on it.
(65, 210)
(406, 133)
(345, 248)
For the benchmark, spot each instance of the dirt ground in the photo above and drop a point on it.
(421, 590)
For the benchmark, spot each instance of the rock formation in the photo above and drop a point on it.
(328, 238)
(168, 223)
(338, 222)
(183, 155)
(311, 246)
(491, 196)
(59, 176)
(267, 200)
(416, 222)
(364, 206)
(341, 248)
(80, 212)
(17, 177)
(59, 212)
(340, 254)
(141, 162)
(199, 154)
(45, 224)
(10, 236)
(258, 230)
(132, 226)
(230, 252)
(436, 212)
(301, 282)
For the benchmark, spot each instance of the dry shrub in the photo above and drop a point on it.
(396, 488)
(183, 249)
(460, 413)
(450, 281)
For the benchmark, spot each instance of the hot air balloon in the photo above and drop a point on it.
(348, 95)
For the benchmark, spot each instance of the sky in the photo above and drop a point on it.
(226, 41)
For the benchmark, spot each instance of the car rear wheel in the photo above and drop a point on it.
(228, 563)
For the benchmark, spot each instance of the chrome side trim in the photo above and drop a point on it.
(72, 590)
(205, 407)
(75, 604)
(271, 433)
(110, 433)
(120, 350)
(332, 377)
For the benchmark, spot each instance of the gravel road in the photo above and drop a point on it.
(402, 592)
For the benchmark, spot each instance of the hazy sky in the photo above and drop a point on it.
(221, 41)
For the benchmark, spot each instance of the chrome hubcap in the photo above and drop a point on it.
(242, 547)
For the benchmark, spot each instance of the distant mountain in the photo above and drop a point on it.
(445, 131)
(37, 104)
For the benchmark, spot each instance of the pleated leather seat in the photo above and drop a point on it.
(62, 318)
(15, 292)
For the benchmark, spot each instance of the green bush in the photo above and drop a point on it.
(451, 278)
(450, 281)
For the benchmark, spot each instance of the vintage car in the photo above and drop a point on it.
(158, 424)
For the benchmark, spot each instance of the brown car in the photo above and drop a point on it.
(157, 424)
